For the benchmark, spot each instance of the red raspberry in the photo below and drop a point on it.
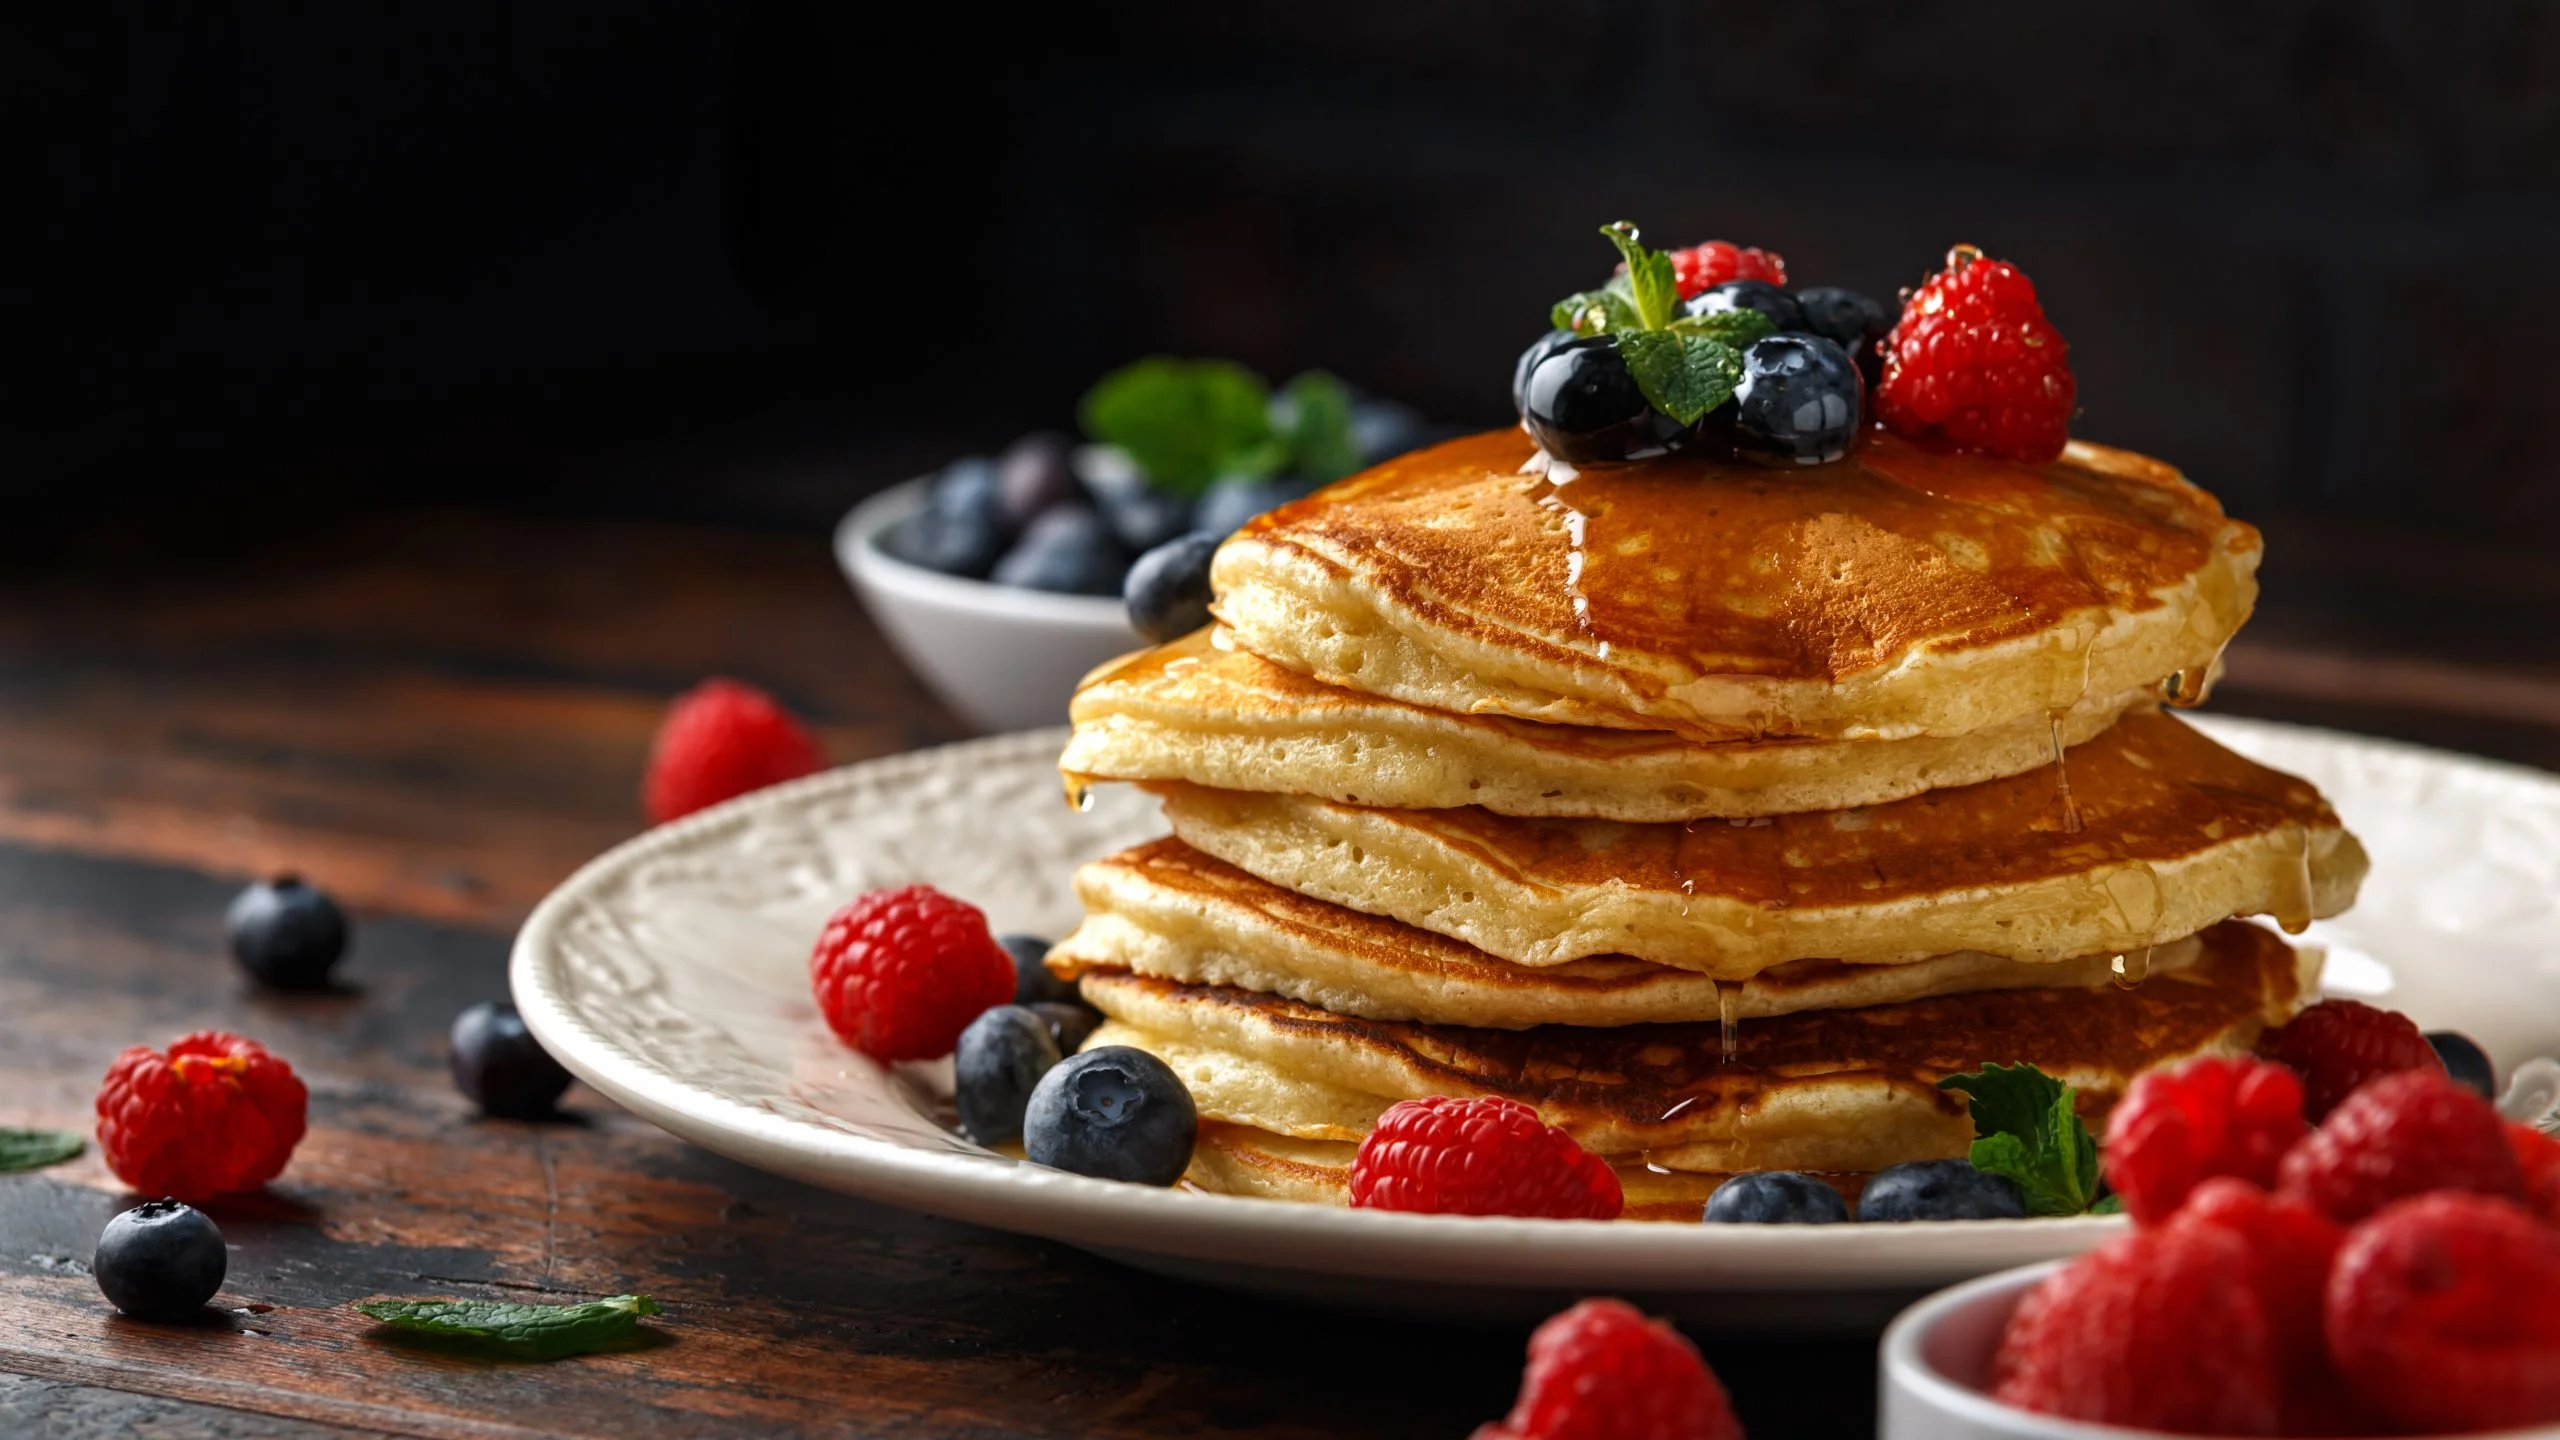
(1717, 261)
(2147, 1331)
(720, 740)
(2338, 1045)
(2290, 1247)
(2441, 1315)
(2176, 1128)
(215, 1115)
(1486, 1156)
(900, 973)
(2402, 1135)
(1601, 1371)
(1974, 363)
(2539, 1156)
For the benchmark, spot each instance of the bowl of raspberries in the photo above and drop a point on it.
(2308, 1257)
(1002, 579)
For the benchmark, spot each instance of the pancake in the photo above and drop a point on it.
(1165, 910)
(1898, 592)
(1845, 1090)
(1211, 714)
(2177, 833)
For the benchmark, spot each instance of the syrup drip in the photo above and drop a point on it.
(1577, 529)
(1650, 1164)
(2132, 968)
(1680, 856)
(2292, 907)
(2071, 823)
(1728, 1010)
(2134, 893)
(2183, 694)
(1079, 793)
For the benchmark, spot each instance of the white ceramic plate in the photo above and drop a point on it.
(670, 974)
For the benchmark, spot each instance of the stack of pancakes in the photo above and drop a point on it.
(1716, 811)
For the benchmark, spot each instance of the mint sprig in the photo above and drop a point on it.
(1317, 410)
(2027, 1127)
(1686, 365)
(531, 1332)
(1187, 423)
(36, 1149)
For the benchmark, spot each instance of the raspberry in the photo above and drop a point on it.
(1486, 1156)
(1702, 266)
(215, 1115)
(2338, 1045)
(720, 740)
(2539, 1157)
(1974, 363)
(1602, 1371)
(2176, 1128)
(900, 973)
(2441, 1315)
(2402, 1135)
(2147, 1331)
(2289, 1248)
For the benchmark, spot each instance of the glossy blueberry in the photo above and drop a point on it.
(1115, 1113)
(2465, 1061)
(160, 1260)
(1231, 502)
(1068, 550)
(1776, 1197)
(1939, 1190)
(1033, 475)
(962, 527)
(500, 1067)
(1800, 400)
(1383, 430)
(1781, 307)
(286, 933)
(1582, 405)
(1539, 349)
(1852, 321)
(1141, 516)
(1168, 589)
(1070, 1022)
(1032, 982)
(1002, 1056)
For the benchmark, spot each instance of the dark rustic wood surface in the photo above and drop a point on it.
(439, 715)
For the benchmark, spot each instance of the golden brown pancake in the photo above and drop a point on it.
(1898, 592)
(1223, 717)
(1164, 909)
(2176, 832)
(1834, 1090)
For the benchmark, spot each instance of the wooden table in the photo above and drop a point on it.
(438, 715)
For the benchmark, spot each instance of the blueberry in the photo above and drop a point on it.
(2466, 1062)
(1168, 589)
(1582, 405)
(1939, 1190)
(1530, 359)
(1233, 501)
(1115, 1113)
(1776, 1197)
(500, 1067)
(1849, 320)
(1383, 430)
(160, 1260)
(1002, 1055)
(1032, 476)
(1068, 550)
(1032, 982)
(1800, 399)
(286, 933)
(1781, 308)
(962, 528)
(1070, 1022)
(1141, 516)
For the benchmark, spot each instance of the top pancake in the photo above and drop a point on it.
(1898, 592)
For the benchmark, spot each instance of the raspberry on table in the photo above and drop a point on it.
(1974, 363)
(2338, 1045)
(214, 1115)
(2538, 1155)
(1602, 1371)
(2179, 1127)
(720, 740)
(1703, 266)
(1484, 1156)
(2441, 1315)
(2146, 1331)
(2402, 1135)
(900, 973)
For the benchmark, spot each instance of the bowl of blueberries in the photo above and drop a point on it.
(1002, 580)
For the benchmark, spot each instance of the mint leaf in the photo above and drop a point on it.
(1317, 410)
(2108, 1205)
(36, 1149)
(1606, 311)
(1652, 284)
(1186, 422)
(2027, 1127)
(533, 1332)
(1737, 328)
(1682, 375)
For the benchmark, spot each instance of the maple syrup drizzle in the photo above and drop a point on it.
(2292, 907)
(1577, 531)
(2071, 823)
(1079, 793)
(2132, 967)
(1729, 1012)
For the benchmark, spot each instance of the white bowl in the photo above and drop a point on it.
(1936, 1361)
(1003, 657)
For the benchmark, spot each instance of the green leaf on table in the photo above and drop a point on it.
(1318, 432)
(1185, 423)
(36, 1149)
(1682, 375)
(532, 1332)
(1737, 328)
(2026, 1126)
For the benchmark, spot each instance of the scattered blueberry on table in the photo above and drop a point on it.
(1115, 1113)
(1776, 1197)
(500, 1067)
(160, 1260)
(287, 933)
